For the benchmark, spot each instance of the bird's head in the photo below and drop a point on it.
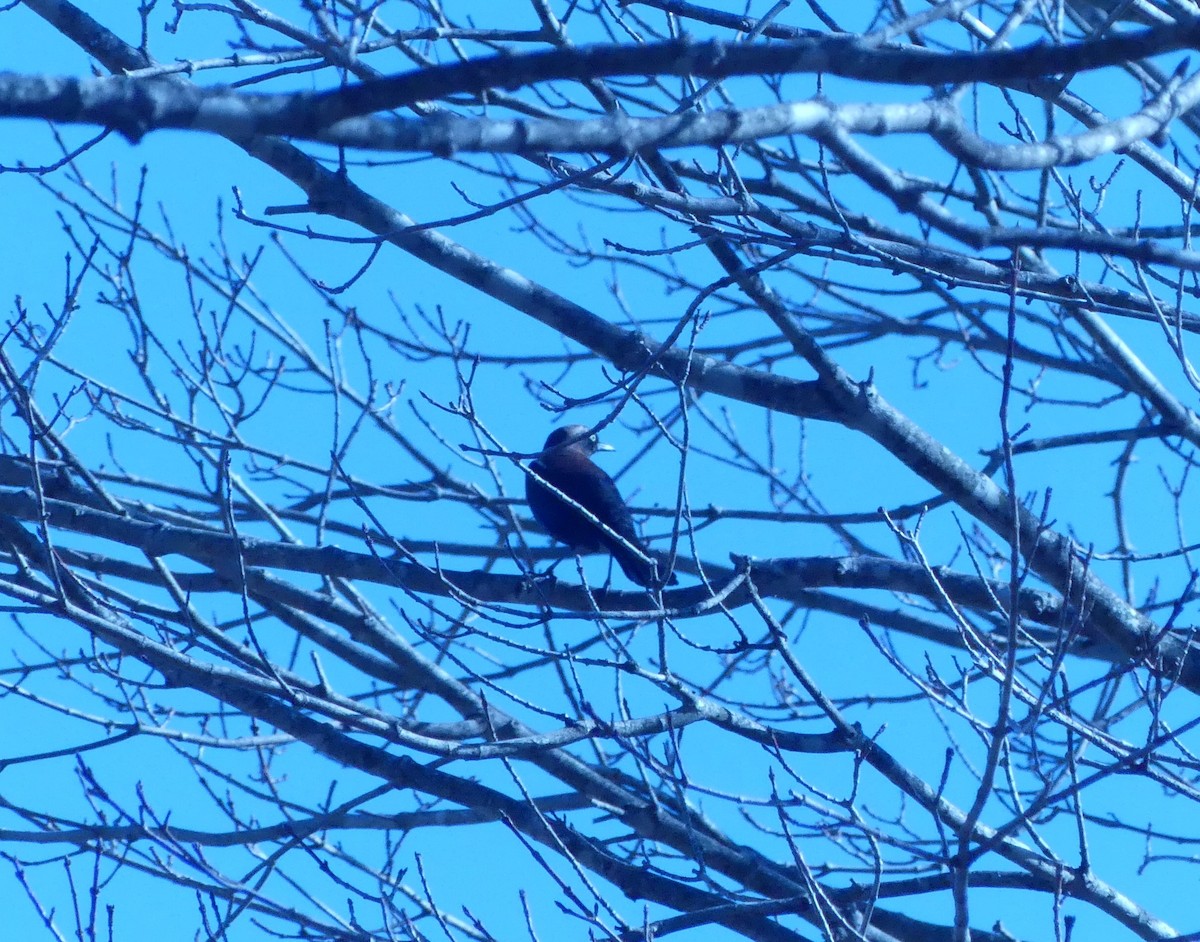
(575, 436)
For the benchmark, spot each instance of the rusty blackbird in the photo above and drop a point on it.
(601, 522)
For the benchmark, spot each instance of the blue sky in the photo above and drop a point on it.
(190, 190)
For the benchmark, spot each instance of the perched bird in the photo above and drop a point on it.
(565, 464)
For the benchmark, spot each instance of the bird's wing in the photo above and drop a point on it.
(596, 493)
(592, 489)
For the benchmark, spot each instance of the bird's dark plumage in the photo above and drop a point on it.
(566, 465)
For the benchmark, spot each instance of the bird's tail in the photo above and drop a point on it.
(642, 567)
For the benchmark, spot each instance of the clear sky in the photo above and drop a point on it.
(192, 184)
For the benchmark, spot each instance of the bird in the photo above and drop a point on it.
(604, 524)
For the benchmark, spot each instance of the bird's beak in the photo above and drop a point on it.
(605, 446)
